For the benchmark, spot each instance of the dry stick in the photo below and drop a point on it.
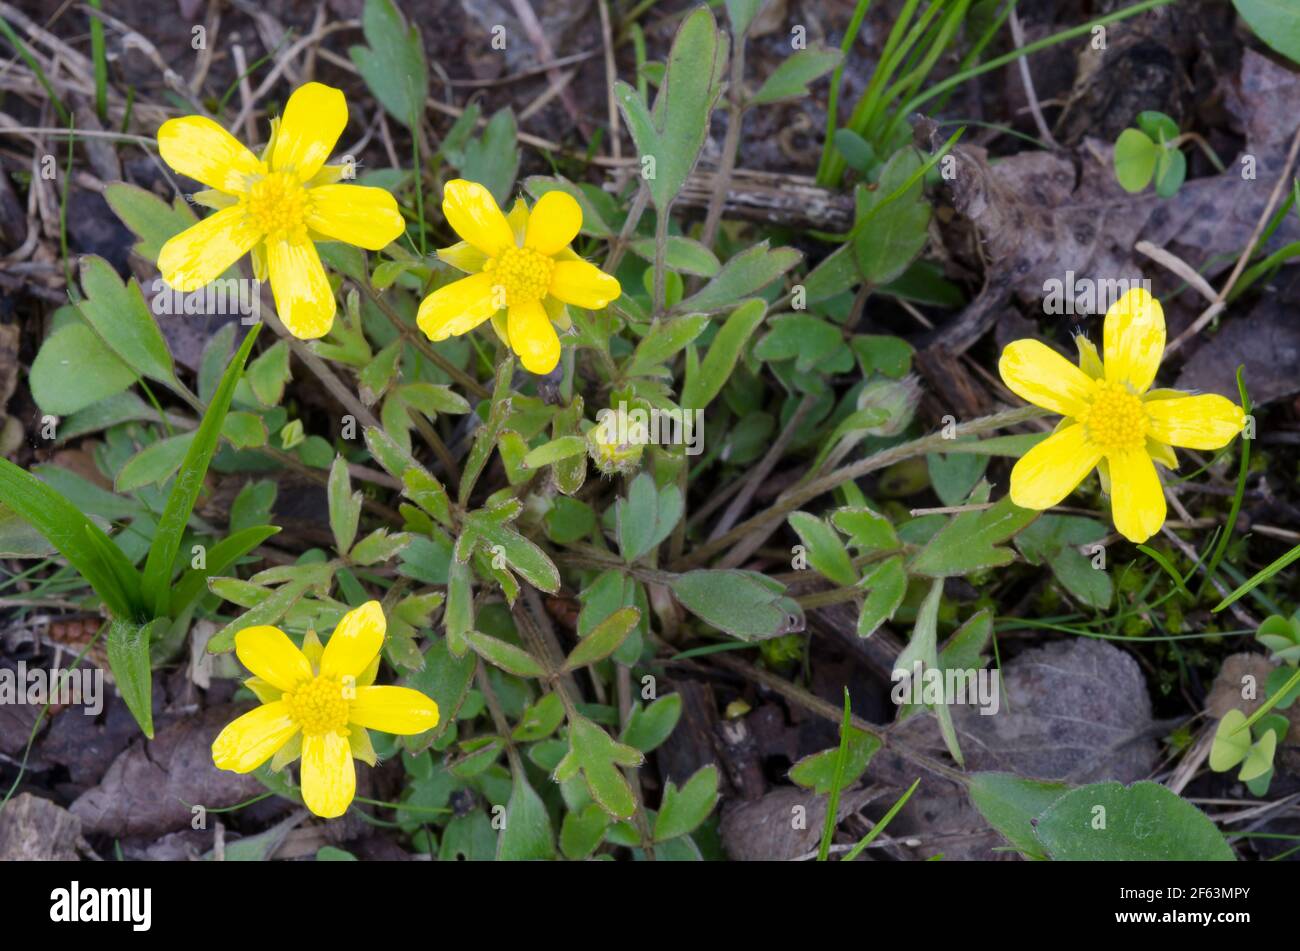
(730, 146)
(1220, 300)
(422, 345)
(1179, 267)
(759, 475)
(283, 61)
(611, 74)
(754, 531)
(1018, 37)
(537, 36)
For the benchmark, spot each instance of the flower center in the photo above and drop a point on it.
(278, 205)
(319, 706)
(522, 273)
(1116, 420)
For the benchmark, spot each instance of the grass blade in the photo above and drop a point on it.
(189, 479)
(880, 826)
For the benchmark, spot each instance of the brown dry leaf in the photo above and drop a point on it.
(150, 787)
(1077, 711)
(1225, 694)
(764, 829)
(37, 830)
(1039, 217)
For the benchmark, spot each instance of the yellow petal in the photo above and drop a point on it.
(533, 337)
(518, 219)
(264, 691)
(367, 676)
(366, 217)
(329, 779)
(314, 118)
(1134, 339)
(1137, 501)
(473, 213)
(1162, 453)
(457, 308)
(399, 710)
(1208, 421)
(1089, 359)
(583, 284)
(200, 253)
(198, 147)
(260, 269)
(464, 257)
(303, 296)
(268, 652)
(1038, 374)
(355, 641)
(554, 223)
(211, 198)
(313, 648)
(362, 748)
(248, 742)
(1052, 469)
(287, 753)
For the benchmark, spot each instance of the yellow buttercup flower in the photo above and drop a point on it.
(1113, 419)
(275, 206)
(520, 265)
(317, 703)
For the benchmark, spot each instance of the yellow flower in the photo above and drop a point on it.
(317, 703)
(275, 206)
(1113, 419)
(521, 264)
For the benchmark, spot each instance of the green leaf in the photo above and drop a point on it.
(954, 476)
(892, 221)
(969, 542)
(886, 586)
(527, 834)
(604, 638)
(800, 337)
(1231, 742)
(708, 378)
(245, 430)
(540, 720)
(741, 603)
(791, 78)
(867, 529)
(1275, 23)
(1111, 822)
(153, 220)
(268, 374)
(673, 134)
(564, 447)
(446, 678)
(344, 506)
(682, 254)
(664, 339)
(267, 611)
(85, 546)
(154, 463)
(817, 771)
(1159, 127)
(1055, 540)
(1135, 160)
(458, 619)
(593, 221)
(74, 370)
(597, 757)
(1171, 170)
(492, 159)
(128, 657)
(220, 556)
(519, 553)
(393, 63)
(156, 581)
(684, 809)
(646, 517)
(119, 315)
(647, 728)
(1259, 759)
(582, 831)
(511, 659)
(379, 546)
(826, 552)
(742, 276)
(1010, 804)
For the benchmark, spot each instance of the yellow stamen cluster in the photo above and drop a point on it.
(278, 205)
(1116, 419)
(522, 273)
(319, 706)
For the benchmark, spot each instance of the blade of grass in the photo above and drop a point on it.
(157, 581)
(1235, 509)
(101, 62)
(8, 32)
(833, 803)
(880, 826)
